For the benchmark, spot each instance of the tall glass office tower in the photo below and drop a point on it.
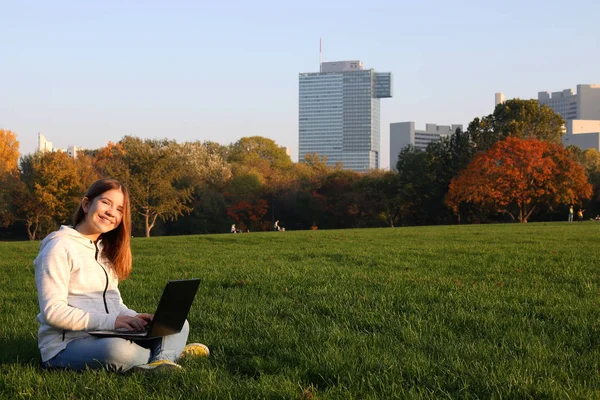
(339, 114)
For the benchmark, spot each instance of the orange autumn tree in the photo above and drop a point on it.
(518, 176)
(9, 152)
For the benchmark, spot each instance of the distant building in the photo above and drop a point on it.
(339, 114)
(72, 151)
(403, 134)
(585, 104)
(584, 134)
(581, 112)
(499, 99)
(44, 145)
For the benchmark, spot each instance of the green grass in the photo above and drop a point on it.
(494, 311)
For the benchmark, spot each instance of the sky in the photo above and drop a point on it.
(85, 73)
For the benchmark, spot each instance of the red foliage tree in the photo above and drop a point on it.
(248, 213)
(518, 176)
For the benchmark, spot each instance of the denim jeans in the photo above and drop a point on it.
(118, 354)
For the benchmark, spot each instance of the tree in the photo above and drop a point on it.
(204, 164)
(207, 172)
(246, 213)
(380, 197)
(259, 152)
(9, 153)
(524, 119)
(153, 172)
(47, 191)
(337, 201)
(518, 176)
(590, 160)
(423, 178)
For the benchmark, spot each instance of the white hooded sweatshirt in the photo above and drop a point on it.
(77, 290)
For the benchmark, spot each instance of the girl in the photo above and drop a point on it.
(77, 272)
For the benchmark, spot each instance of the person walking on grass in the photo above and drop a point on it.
(571, 213)
(77, 272)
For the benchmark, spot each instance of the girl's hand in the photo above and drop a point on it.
(145, 317)
(130, 323)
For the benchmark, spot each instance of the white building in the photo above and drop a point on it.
(72, 151)
(580, 110)
(584, 134)
(403, 134)
(499, 99)
(585, 104)
(44, 145)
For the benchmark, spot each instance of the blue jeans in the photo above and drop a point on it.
(118, 354)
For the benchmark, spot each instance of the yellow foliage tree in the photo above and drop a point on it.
(9, 152)
(49, 190)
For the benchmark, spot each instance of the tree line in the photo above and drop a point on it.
(507, 166)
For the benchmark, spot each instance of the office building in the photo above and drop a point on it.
(339, 114)
(585, 104)
(403, 134)
(584, 134)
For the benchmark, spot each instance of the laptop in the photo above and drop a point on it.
(170, 315)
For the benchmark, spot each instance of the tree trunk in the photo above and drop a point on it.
(146, 224)
(150, 225)
(30, 233)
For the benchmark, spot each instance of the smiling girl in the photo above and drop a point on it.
(77, 272)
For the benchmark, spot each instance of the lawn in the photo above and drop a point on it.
(480, 311)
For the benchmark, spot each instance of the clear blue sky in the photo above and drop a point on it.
(87, 72)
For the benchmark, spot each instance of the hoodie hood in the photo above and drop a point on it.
(68, 231)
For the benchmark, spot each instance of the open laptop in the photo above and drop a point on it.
(170, 315)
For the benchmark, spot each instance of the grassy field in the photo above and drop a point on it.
(494, 311)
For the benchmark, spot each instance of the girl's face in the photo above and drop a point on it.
(103, 214)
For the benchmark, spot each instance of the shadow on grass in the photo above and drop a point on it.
(19, 351)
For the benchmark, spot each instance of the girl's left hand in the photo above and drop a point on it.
(145, 317)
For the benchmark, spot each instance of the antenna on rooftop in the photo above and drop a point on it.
(320, 55)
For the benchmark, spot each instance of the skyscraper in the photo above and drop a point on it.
(339, 114)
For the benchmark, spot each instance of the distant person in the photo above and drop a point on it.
(597, 219)
(580, 215)
(276, 227)
(77, 273)
(233, 229)
(571, 213)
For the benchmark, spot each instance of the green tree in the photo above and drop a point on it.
(524, 119)
(207, 172)
(380, 198)
(154, 172)
(423, 180)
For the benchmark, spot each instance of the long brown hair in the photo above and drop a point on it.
(117, 243)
